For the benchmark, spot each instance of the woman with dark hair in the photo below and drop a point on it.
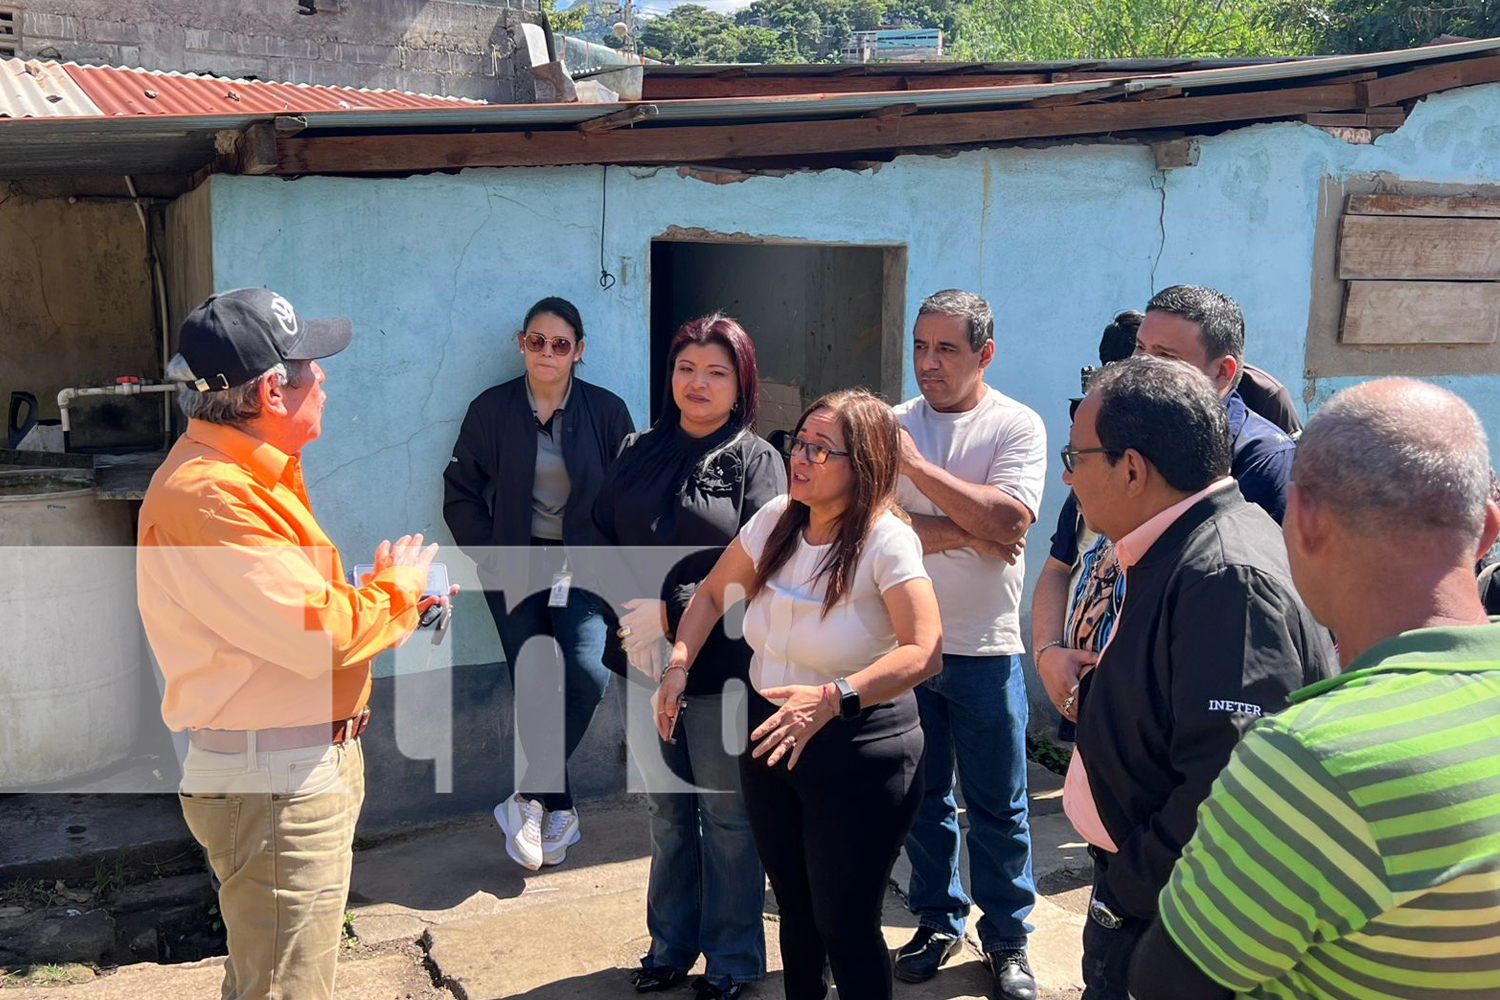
(529, 461)
(843, 624)
(692, 481)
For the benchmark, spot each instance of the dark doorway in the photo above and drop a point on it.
(823, 317)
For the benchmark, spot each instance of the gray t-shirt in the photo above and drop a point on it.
(550, 485)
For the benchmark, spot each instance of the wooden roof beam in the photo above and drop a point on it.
(685, 143)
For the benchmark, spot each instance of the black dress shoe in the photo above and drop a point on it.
(655, 978)
(919, 959)
(708, 991)
(1013, 979)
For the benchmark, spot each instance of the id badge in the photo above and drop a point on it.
(561, 584)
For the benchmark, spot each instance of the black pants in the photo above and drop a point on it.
(1107, 953)
(828, 834)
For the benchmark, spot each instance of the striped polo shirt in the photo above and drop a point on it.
(1351, 849)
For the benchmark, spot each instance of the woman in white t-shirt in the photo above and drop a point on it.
(843, 624)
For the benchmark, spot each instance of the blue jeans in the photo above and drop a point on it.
(707, 889)
(562, 681)
(974, 713)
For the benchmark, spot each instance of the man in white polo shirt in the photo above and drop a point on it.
(973, 464)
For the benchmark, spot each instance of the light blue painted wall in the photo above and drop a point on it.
(436, 270)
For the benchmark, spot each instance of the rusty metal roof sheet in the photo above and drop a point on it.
(120, 139)
(120, 91)
(30, 88)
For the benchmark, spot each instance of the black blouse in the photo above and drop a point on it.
(668, 488)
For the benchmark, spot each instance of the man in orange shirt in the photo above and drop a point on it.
(264, 648)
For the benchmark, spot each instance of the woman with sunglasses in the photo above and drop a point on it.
(528, 464)
(843, 624)
(692, 482)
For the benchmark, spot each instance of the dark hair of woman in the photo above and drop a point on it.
(559, 307)
(872, 438)
(719, 329)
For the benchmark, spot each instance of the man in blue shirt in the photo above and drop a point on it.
(1205, 328)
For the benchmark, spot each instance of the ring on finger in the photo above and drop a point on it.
(1067, 705)
(624, 631)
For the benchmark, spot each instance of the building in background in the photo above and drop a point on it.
(455, 49)
(894, 44)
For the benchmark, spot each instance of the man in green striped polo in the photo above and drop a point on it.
(1351, 849)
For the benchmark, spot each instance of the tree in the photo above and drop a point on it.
(866, 15)
(565, 22)
(691, 34)
(1025, 30)
(1378, 25)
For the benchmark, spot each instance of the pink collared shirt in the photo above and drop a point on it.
(1078, 797)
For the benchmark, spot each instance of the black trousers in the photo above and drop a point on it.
(828, 834)
(1107, 952)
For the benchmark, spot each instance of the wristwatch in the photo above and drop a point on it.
(848, 698)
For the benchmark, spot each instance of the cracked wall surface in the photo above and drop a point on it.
(436, 272)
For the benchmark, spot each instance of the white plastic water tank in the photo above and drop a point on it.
(71, 647)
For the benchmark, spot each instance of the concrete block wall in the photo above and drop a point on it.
(427, 46)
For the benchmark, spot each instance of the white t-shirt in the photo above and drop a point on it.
(1002, 443)
(792, 641)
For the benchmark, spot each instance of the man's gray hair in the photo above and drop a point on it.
(236, 405)
(1396, 455)
(957, 302)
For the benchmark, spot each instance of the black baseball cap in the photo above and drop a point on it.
(237, 336)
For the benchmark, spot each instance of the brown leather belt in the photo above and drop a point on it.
(292, 738)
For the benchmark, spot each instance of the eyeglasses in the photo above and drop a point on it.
(815, 453)
(1070, 455)
(561, 346)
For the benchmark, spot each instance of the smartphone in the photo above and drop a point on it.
(437, 578)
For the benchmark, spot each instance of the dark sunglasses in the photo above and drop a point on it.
(815, 453)
(561, 346)
(1070, 455)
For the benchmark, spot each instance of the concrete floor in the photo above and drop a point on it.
(446, 913)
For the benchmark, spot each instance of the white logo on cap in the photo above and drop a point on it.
(285, 315)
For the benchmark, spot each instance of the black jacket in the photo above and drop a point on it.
(668, 489)
(487, 485)
(1212, 635)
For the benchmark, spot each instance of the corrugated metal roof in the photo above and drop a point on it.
(34, 89)
(121, 91)
(122, 139)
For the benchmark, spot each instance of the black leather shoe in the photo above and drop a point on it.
(708, 991)
(654, 979)
(1012, 973)
(919, 959)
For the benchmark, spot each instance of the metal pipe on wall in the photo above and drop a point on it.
(159, 286)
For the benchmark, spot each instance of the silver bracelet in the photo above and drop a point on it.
(1037, 656)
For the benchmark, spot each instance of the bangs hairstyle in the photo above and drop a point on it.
(872, 438)
(716, 328)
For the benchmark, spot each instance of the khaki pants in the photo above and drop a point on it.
(279, 832)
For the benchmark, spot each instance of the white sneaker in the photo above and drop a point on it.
(560, 833)
(521, 819)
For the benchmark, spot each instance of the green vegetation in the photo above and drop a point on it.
(781, 31)
(46, 975)
(1048, 754)
(1379, 25)
(801, 31)
(1023, 30)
